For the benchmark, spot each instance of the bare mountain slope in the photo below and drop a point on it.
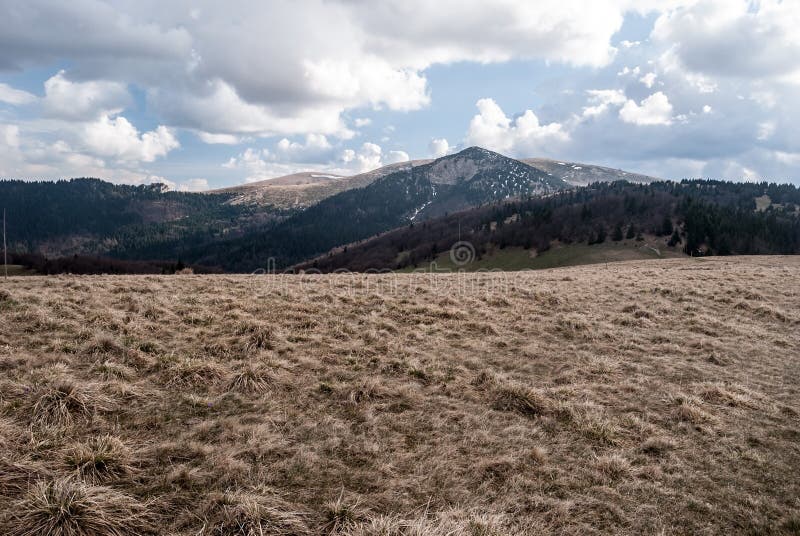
(577, 174)
(301, 190)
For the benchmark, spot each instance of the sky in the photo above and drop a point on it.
(207, 94)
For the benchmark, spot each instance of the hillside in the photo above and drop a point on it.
(693, 217)
(301, 190)
(307, 188)
(578, 174)
(466, 179)
(239, 227)
(642, 398)
(90, 216)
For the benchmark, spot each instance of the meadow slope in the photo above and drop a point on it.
(645, 397)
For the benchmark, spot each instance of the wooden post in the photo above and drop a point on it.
(5, 254)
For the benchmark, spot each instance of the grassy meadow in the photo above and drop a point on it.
(641, 397)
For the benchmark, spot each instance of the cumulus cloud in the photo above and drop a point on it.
(523, 136)
(654, 110)
(439, 147)
(209, 67)
(648, 80)
(315, 153)
(117, 138)
(314, 149)
(734, 38)
(369, 156)
(15, 97)
(310, 70)
(83, 100)
(9, 135)
(602, 99)
(218, 139)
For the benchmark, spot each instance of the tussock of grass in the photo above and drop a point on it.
(256, 336)
(195, 372)
(100, 459)
(657, 446)
(110, 370)
(251, 514)
(251, 378)
(64, 402)
(522, 400)
(341, 516)
(67, 507)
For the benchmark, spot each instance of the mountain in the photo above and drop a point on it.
(693, 217)
(415, 193)
(288, 218)
(577, 174)
(301, 190)
(90, 216)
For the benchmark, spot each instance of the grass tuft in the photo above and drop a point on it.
(65, 507)
(100, 459)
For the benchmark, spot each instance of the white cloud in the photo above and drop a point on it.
(9, 135)
(218, 139)
(15, 97)
(241, 69)
(602, 99)
(315, 149)
(117, 138)
(315, 154)
(523, 136)
(368, 157)
(734, 38)
(648, 80)
(28, 158)
(83, 100)
(439, 147)
(707, 109)
(765, 130)
(393, 157)
(220, 110)
(654, 110)
(362, 122)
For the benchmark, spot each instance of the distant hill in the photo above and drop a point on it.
(301, 190)
(466, 179)
(315, 215)
(578, 174)
(90, 216)
(693, 217)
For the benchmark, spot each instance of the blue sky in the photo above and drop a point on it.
(202, 95)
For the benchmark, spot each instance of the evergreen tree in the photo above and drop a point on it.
(675, 239)
(666, 226)
(616, 236)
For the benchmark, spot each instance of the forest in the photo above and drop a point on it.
(702, 217)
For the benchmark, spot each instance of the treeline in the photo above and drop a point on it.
(91, 216)
(88, 265)
(701, 217)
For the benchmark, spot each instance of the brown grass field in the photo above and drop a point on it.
(646, 397)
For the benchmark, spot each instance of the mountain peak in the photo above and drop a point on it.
(477, 152)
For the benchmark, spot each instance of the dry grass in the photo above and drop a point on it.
(639, 398)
